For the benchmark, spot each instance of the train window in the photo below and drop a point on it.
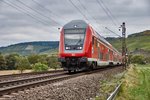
(101, 56)
(74, 39)
(96, 43)
(99, 52)
(93, 40)
(107, 56)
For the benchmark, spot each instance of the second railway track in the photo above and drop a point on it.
(22, 84)
(26, 75)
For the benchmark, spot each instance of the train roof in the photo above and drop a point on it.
(83, 24)
(103, 39)
(76, 24)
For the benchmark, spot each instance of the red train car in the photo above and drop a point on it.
(82, 48)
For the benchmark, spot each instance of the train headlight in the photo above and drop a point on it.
(80, 48)
(67, 48)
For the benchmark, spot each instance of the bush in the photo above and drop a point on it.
(138, 59)
(147, 59)
(22, 63)
(53, 62)
(33, 58)
(10, 61)
(2, 63)
(38, 67)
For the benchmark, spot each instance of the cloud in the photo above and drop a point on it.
(50, 15)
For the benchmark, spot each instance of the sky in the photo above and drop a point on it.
(41, 20)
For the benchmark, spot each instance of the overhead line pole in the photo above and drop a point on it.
(124, 49)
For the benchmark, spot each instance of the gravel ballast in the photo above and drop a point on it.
(80, 88)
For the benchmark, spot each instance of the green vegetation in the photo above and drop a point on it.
(38, 67)
(138, 59)
(2, 62)
(107, 86)
(11, 60)
(34, 61)
(135, 41)
(33, 58)
(22, 64)
(147, 59)
(53, 63)
(136, 83)
(28, 48)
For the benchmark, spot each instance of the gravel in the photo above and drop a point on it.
(80, 88)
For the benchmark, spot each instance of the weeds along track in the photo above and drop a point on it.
(12, 86)
(26, 75)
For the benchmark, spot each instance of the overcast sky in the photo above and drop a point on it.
(39, 20)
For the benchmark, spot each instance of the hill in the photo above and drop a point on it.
(27, 48)
(135, 42)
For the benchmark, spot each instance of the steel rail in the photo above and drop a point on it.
(23, 80)
(115, 92)
(31, 73)
(31, 84)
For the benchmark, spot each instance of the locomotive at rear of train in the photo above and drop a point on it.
(82, 48)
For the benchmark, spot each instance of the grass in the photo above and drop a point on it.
(108, 85)
(136, 83)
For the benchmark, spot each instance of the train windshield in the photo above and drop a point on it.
(74, 39)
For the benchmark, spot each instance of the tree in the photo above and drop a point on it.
(22, 63)
(38, 67)
(33, 58)
(139, 59)
(53, 62)
(11, 60)
(2, 62)
(42, 59)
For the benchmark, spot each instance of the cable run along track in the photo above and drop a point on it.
(27, 83)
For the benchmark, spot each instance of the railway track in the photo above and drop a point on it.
(27, 83)
(26, 75)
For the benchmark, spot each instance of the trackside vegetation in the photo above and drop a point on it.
(136, 83)
(33, 62)
(38, 67)
(138, 59)
(108, 85)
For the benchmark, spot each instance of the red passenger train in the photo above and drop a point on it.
(82, 48)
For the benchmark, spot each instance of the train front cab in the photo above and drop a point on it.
(74, 46)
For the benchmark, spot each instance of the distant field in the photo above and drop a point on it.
(8, 72)
(140, 42)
